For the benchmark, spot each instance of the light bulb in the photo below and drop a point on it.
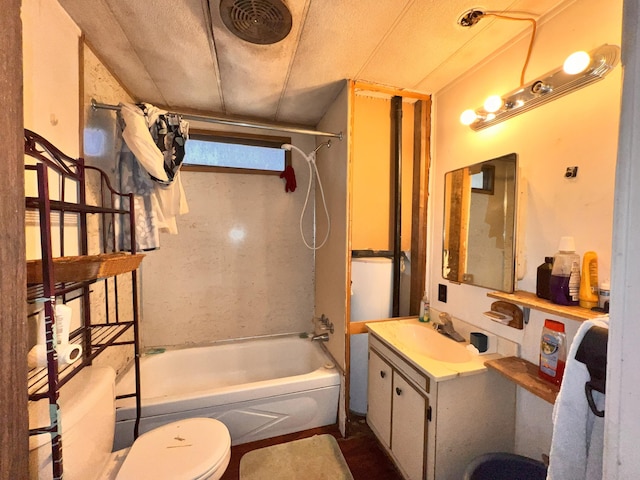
(577, 62)
(493, 103)
(468, 117)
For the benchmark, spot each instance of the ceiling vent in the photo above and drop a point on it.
(257, 21)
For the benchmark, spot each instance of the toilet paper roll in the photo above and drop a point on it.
(67, 354)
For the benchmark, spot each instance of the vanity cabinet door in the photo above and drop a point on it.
(408, 435)
(379, 397)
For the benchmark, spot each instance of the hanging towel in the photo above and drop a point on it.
(578, 435)
(149, 167)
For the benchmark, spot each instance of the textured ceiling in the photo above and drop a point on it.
(178, 53)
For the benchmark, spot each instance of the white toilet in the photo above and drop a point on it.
(189, 449)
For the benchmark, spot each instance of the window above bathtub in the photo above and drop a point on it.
(235, 153)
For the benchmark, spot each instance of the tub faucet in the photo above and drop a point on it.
(323, 337)
(445, 327)
(324, 324)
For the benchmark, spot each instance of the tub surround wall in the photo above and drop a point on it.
(331, 261)
(238, 267)
(100, 144)
(579, 129)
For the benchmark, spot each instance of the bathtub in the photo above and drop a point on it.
(259, 388)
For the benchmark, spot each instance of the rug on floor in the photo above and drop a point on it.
(314, 458)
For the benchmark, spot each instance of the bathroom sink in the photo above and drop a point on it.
(423, 340)
(438, 356)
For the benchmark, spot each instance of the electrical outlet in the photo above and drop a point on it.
(572, 172)
(442, 293)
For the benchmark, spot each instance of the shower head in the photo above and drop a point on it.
(327, 144)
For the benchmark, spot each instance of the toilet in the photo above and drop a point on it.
(188, 449)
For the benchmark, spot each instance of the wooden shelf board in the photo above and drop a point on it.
(531, 300)
(525, 374)
(84, 268)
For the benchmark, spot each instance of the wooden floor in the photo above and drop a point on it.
(367, 460)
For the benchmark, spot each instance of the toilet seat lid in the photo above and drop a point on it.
(182, 450)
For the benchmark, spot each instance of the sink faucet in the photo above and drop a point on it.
(445, 327)
(323, 337)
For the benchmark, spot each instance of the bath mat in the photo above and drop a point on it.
(313, 458)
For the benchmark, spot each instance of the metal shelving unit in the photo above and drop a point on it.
(78, 278)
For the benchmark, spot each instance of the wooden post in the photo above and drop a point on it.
(14, 453)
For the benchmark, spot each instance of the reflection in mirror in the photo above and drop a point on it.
(479, 224)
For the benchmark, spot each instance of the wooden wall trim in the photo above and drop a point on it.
(14, 453)
(391, 91)
(421, 162)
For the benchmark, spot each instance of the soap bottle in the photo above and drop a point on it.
(553, 352)
(543, 281)
(589, 281)
(424, 309)
(565, 274)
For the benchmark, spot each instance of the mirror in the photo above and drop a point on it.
(479, 224)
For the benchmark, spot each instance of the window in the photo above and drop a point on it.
(233, 152)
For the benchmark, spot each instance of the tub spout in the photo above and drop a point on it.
(323, 337)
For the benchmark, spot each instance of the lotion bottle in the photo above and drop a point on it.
(589, 281)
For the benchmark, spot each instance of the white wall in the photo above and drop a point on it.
(51, 73)
(51, 90)
(579, 129)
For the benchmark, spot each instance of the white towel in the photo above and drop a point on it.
(136, 135)
(578, 435)
(167, 200)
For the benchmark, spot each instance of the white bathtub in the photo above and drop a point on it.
(258, 388)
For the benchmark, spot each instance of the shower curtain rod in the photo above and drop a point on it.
(237, 123)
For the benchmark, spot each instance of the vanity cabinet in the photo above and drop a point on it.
(433, 427)
(380, 386)
(397, 411)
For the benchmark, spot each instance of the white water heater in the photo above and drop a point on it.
(371, 299)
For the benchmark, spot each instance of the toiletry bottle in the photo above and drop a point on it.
(605, 293)
(565, 274)
(543, 289)
(553, 353)
(424, 309)
(589, 281)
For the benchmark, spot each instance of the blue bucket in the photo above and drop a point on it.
(505, 466)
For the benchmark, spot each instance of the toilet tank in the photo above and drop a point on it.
(87, 409)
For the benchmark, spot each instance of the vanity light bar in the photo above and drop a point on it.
(546, 88)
